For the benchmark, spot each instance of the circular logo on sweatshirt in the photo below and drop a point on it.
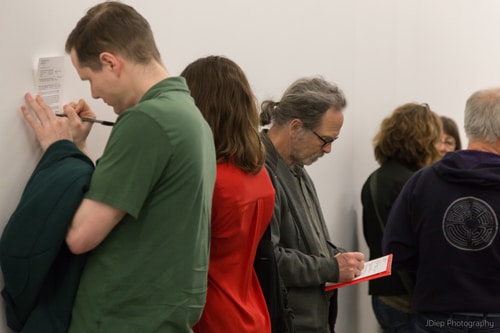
(470, 224)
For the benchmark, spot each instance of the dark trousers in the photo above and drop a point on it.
(391, 320)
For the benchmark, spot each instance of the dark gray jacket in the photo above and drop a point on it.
(303, 270)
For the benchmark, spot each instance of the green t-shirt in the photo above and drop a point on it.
(150, 273)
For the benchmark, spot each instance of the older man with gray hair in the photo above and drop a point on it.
(304, 124)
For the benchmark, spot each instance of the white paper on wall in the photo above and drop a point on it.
(48, 80)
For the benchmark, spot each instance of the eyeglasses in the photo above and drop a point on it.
(326, 142)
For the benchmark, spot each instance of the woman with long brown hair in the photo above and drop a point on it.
(243, 199)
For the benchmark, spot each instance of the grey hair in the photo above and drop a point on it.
(306, 99)
(482, 115)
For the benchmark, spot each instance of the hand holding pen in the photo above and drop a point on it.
(84, 112)
(49, 128)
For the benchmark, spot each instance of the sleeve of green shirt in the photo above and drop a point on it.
(133, 160)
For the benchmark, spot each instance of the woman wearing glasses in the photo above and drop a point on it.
(450, 138)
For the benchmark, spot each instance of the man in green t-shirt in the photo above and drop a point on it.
(145, 217)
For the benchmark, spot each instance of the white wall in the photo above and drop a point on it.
(381, 52)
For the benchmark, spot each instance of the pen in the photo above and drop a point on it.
(90, 120)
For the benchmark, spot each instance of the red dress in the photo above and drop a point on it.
(242, 207)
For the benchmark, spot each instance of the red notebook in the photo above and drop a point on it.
(373, 269)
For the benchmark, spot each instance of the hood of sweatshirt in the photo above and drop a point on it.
(470, 167)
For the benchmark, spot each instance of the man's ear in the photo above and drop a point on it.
(110, 62)
(295, 124)
(294, 127)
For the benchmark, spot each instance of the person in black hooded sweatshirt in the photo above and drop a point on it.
(444, 227)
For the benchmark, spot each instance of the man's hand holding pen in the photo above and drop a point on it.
(79, 128)
(350, 265)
